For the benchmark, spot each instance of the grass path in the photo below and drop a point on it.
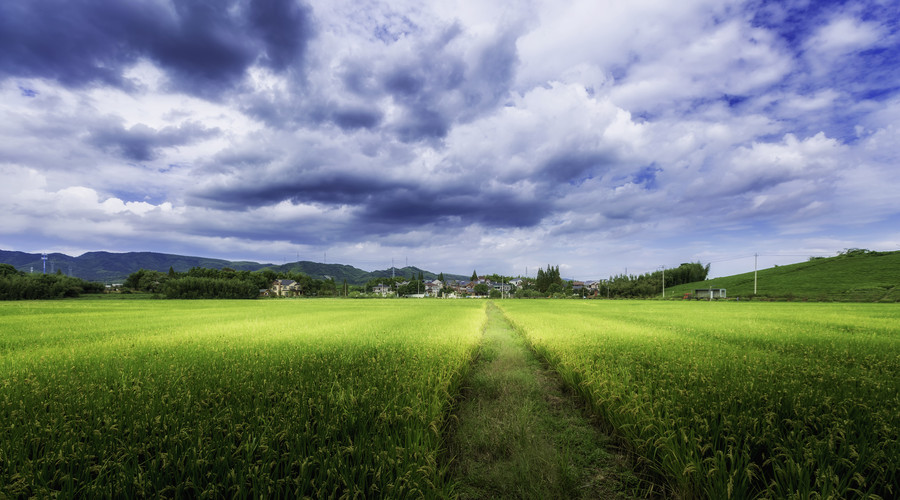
(520, 435)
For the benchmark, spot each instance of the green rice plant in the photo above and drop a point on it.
(737, 400)
(322, 398)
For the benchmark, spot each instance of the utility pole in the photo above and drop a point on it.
(755, 257)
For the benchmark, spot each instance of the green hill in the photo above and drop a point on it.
(855, 276)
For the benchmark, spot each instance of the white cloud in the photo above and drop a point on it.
(732, 59)
(840, 37)
(843, 35)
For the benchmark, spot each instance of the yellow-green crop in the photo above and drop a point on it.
(737, 400)
(229, 398)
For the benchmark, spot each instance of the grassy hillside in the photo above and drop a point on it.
(859, 276)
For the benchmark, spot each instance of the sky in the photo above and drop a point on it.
(600, 136)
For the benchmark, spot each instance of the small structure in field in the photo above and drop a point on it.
(709, 293)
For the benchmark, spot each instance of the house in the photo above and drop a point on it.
(285, 288)
(433, 287)
(709, 293)
(461, 286)
(382, 289)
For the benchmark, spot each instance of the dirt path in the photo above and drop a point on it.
(520, 435)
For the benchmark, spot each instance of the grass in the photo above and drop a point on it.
(868, 277)
(229, 398)
(519, 436)
(737, 400)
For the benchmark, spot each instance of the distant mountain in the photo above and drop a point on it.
(353, 275)
(107, 267)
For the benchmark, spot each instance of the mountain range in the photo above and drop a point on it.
(108, 267)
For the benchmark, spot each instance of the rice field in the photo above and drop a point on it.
(205, 399)
(737, 400)
(346, 398)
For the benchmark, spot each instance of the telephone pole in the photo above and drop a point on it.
(755, 257)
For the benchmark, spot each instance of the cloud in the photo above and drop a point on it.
(843, 35)
(354, 118)
(204, 49)
(142, 143)
(519, 134)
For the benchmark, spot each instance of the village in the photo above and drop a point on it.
(483, 287)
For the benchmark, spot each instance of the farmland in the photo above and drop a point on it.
(737, 400)
(219, 398)
(351, 397)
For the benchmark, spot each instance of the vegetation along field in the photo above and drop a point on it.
(215, 398)
(737, 399)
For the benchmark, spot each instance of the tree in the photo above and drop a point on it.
(146, 280)
(547, 278)
(481, 289)
(9, 270)
(441, 277)
(474, 276)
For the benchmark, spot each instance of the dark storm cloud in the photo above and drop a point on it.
(284, 27)
(354, 118)
(422, 123)
(574, 168)
(204, 47)
(382, 202)
(142, 143)
(309, 185)
(437, 86)
(404, 209)
(404, 83)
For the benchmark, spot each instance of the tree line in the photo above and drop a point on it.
(205, 283)
(650, 284)
(17, 285)
(549, 283)
(225, 283)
